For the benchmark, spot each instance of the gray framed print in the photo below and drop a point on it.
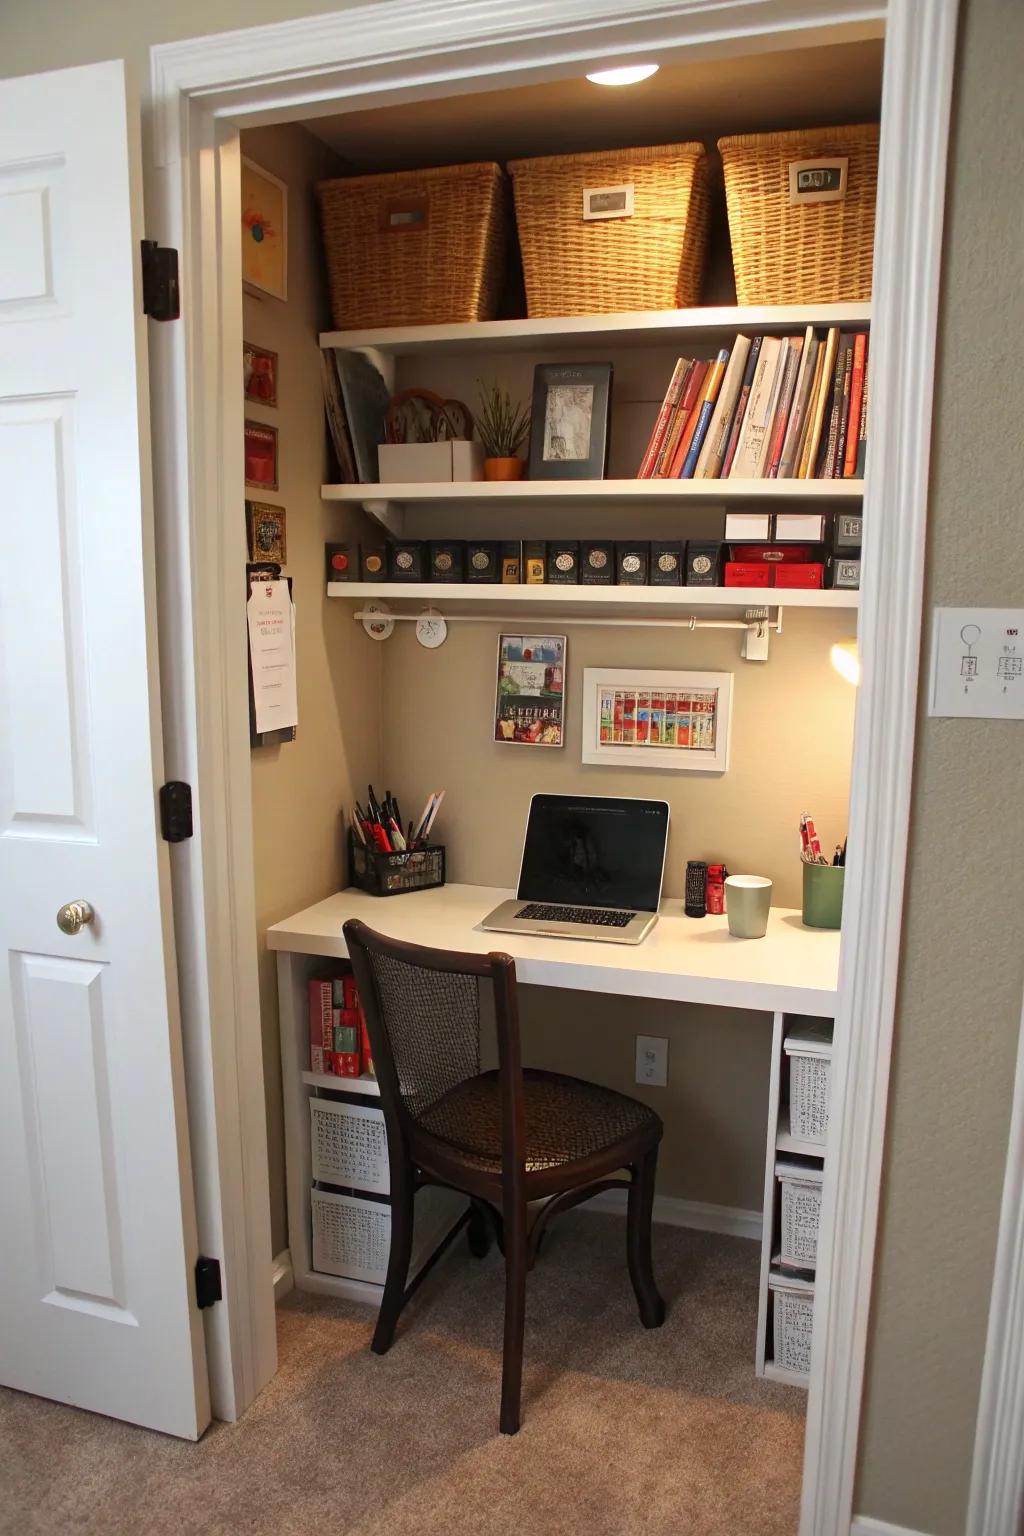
(569, 422)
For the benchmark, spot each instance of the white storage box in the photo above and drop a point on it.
(352, 1237)
(809, 1048)
(793, 1316)
(414, 463)
(348, 1145)
(800, 1212)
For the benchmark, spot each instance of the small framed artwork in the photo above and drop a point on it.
(569, 423)
(679, 721)
(264, 231)
(530, 701)
(259, 374)
(266, 528)
(260, 456)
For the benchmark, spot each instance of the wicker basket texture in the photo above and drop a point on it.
(652, 260)
(812, 253)
(414, 247)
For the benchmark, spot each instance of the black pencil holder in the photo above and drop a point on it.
(695, 900)
(389, 874)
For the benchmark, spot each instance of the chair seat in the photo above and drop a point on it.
(567, 1121)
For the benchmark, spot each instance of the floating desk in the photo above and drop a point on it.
(792, 970)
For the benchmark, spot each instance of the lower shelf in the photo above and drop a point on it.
(367, 1085)
(621, 601)
(775, 1372)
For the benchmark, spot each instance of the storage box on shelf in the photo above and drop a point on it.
(792, 1324)
(799, 1213)
(352, 1234)
(348, 1145)
(809, 1049)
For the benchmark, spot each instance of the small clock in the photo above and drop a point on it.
(431, 629)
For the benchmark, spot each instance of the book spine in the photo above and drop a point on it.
(862, 435)
(827, 452)
(744, 464)
(792, 367)
(713, 384)
(667, 452)
(709, 465)
(844, 412)
(365, 1049)
(860, 350)
(662, 422)
(741, 405)
(823, 382)
(321, 1022)
(762, 448)
(798, 414)
(690, 405)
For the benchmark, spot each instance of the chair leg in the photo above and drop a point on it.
(515, 1320)
(638, 1240)
(398, 1266)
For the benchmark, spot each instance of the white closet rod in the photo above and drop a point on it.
(505, 618)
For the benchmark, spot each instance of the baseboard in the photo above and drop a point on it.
(866, 1525)
(727, 1219)
(284, 1277)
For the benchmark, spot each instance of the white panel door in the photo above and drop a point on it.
(97, 1227)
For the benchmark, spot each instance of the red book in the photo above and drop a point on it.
(664, 419)
(860, 358)
(690, 403)
(321, 1026)
(365, 1049)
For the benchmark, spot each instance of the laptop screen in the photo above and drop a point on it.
(594, 851)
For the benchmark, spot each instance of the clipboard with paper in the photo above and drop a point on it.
(273, 692)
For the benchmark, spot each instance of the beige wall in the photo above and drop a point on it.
(299, 788)
(963, 960)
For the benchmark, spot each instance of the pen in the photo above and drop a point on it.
(438, 797)
(397, 840)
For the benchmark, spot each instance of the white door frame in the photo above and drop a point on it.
(203, 91)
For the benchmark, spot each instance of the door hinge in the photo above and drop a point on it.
(208, 1286)
(161, 299)
(175, 811)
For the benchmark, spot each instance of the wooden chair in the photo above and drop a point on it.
(505, 1138)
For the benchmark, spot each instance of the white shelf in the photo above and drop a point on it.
(365, 1085)
(589, 491)
(639, 328)
(625, 602)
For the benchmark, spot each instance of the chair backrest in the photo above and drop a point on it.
(422, 1010)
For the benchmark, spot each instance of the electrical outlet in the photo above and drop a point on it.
(652, 1061)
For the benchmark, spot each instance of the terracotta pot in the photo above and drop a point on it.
(504, 469)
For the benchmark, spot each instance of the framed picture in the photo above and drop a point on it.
(266, 529)
(259, 374)
(569, 422)
(634, 718)
(260, 456)
(264, 231)
(530, 700)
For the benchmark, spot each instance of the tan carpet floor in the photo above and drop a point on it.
(666, 1433)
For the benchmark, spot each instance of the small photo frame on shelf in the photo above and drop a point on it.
(569, 421)
(529, 706)
(266, 530)
(264, 231)
(639, 718)
(260, 456)
(259, 374)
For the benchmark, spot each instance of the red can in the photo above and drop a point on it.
(716, 888)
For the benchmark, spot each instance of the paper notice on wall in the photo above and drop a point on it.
(272, 655)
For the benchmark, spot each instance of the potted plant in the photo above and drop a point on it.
(503, 427)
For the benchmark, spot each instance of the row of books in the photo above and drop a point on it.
(338, 1042)
(786, 407)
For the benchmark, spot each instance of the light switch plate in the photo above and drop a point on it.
(652, 1060)
(978, 663)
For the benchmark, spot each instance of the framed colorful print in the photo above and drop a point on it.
(266, 527)
(530, 702)
(264, 231)
(260, 456)
(634, 718)
(569, 421)
(259, 374)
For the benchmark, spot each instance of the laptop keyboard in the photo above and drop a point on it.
(599, 916)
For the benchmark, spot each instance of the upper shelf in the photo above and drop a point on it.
(638, 328)
(707, 491)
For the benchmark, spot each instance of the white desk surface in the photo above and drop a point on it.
(691, 960)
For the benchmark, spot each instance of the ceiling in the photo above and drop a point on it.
(704, 99)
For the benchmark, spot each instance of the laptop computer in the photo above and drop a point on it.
(592, 869)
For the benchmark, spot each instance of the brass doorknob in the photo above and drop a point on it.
(72, 915)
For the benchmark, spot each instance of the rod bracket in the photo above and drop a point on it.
(755, 639)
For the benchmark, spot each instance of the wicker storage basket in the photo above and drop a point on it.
(653, 258)
(414, 247)
(812, 252)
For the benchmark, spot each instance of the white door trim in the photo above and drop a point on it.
(997, 1477)
(262, 74)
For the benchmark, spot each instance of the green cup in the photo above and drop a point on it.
(823, 895)
(748, 900)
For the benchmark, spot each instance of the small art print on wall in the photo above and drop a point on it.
(260, 456)
(530, 703)
(569, 421)
(259, 374)
(266, 530)
(264, 231)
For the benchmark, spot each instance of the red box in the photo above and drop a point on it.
(798, 575)
(754, 574)
(365, 1048)
(775, 554)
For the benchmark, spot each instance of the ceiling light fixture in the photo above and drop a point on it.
(626, 74)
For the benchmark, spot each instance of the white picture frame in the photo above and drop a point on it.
(656, 743)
